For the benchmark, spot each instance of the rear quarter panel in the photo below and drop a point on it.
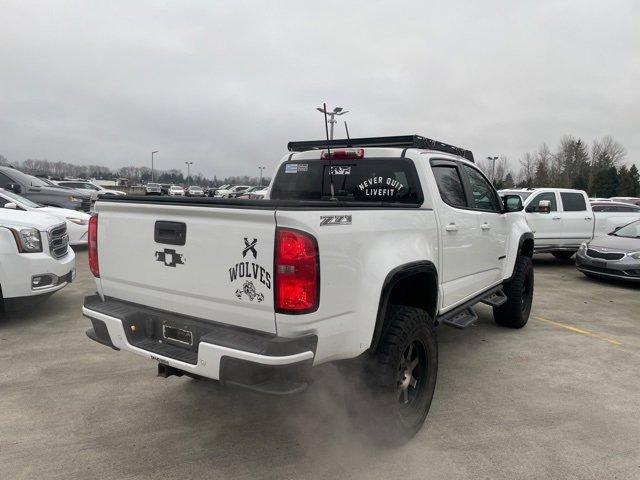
(354, 262)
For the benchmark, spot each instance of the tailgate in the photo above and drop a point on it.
(219, 268)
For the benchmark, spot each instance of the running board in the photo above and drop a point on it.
(464, 315)
(460, 319)
(495, 299)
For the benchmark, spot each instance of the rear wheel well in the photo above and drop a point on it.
(412, 285)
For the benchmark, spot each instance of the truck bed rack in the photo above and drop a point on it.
(399, 141)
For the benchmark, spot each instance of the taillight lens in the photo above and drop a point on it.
(93, 246)
(297, 272)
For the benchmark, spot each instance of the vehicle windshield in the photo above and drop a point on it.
(175, 187)
(18, 199)
(630, 230)
(153, 185)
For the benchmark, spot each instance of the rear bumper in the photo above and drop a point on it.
(232, 355)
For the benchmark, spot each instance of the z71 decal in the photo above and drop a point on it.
(247, 277)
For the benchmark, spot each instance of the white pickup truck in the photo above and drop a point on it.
(35, 258)
(359, 253)
(565, 219)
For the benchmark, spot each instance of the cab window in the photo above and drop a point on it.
(484, 196)
(450, 185)
(573, 202)
(534, 205)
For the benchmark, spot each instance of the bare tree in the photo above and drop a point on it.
(607, 153)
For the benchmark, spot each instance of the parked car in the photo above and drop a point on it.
(77, 221)
(212, 190)
(232, 192)
(41, 191)
(610, 215)
(164, 188)
(35, 258)
(89, 187)
(176, 190)
(616, 255)
(247, 192)
(407, 238)
(153, 189)
(562, 219)
(194, 191)
(258, 194)
(631, 200)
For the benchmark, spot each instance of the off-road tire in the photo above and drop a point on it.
(514, 313)
(382, 399)
(562, 255)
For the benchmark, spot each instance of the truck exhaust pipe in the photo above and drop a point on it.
(165, 371)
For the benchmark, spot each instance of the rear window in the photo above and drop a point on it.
(573, 202)
(391, 180)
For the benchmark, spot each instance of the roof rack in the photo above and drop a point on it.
(401, 141)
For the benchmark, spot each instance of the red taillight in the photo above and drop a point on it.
(93, 246)
(297, 271)
(348, 153)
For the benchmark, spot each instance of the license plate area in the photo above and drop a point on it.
(599, 263)
(178, 335)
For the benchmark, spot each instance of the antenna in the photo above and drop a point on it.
(326, 128)
(346, 127)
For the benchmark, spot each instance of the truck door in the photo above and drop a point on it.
(493, 225)
(577, 218)
(547, 227)
(459, 235)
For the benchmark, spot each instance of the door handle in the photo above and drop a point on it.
(587, 218)
(452, 227)
(556, 218)
(485, 226)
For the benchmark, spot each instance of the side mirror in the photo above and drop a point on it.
(544, 206)
(11, 206)
(512, 203)
(14, 187)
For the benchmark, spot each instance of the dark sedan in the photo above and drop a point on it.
(616, 255)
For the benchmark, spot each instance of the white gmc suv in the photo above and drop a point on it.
(361, 250)
(35, 258)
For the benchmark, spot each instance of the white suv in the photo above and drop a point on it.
(35, 258)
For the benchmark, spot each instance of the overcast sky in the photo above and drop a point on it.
(227, 84)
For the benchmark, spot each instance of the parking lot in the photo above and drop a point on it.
(558, 399)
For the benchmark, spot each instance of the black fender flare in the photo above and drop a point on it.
(524, 237)
(392, 278)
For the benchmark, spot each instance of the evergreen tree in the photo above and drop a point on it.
(628, 185)
(508, 181)
(605, 183)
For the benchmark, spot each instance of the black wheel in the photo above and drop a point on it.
(390, 393)
(514, 313)
(562, 255)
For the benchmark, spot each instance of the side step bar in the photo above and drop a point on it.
(464, 315)
(495, 299)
